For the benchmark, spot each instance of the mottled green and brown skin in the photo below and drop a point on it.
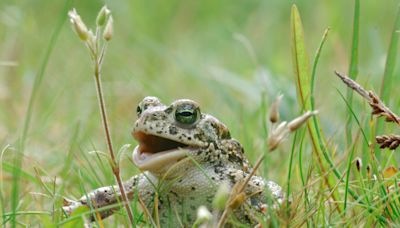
(211, 158)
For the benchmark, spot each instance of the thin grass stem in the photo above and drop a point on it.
(353, 67)
(114, 164)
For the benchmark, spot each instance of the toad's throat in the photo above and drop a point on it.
(154, 144)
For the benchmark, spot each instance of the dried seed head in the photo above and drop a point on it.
(297, 122)
(381, 138)
(102, 16)
(277, 135)
(79, 26)
(274, 110)
(280, 130)
(273, 142)
(221, 197)
(394, 145)
(358, 162)
(388, 141)
(378, 107)
(108, 30)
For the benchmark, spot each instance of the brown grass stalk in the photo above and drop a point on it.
(114, 164)
(97, 49)
(232, 198)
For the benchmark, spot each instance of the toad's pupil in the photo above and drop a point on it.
(186, 116)
(186, 113)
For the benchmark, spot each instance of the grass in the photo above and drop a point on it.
(353, 66)
(231, 58)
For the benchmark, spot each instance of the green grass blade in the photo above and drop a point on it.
(355, 117)
(300, 60)
(37, 82)
(290, 172)
(7, 167)
(389, 73)
(303, 86)
(315, 64)
(349, 162)
(2, 201)
(64, 173)
(390, 61)
(29, 213)
(301, 171)
(353, 68)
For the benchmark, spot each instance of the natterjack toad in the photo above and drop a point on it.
(185, 156)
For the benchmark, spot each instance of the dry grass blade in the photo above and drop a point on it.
(233, 199)
(388, 141)
(378, 107)
(146, 211)
(156, 214)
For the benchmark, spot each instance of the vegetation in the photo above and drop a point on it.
(234, 59)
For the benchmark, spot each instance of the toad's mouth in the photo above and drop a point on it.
(155, 153)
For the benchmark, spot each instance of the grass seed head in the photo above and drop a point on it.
(299, 121)
(277, 135)
(274, 110)
(102, 16)
(108, 30)
(79, 26)
(358, 162)
(388, 141)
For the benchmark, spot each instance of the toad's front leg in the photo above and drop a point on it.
(103, 197)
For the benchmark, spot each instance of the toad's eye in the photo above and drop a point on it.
(187, 114)
(138, 110)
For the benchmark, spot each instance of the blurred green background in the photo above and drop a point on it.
(232, 57)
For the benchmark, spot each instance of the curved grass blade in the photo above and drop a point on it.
(300, 59)
(390, 61)
(355, 117)
(314, 68)
(353, 68)
(303, 86)
(349, 162)
(37, 82)
(389, 73)
(347, 188)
